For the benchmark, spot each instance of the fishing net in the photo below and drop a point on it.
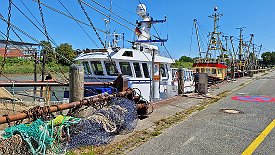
(42, 136)
(100, 126)
(14, 145)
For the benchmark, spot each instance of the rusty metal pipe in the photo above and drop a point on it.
(47, 83)
(55, 108)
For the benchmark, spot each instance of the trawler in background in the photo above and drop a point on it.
(213, 65)
(142, 64)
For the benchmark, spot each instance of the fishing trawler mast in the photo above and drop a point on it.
(214, 67)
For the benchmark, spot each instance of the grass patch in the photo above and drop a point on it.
(139, 137)
(25, 66)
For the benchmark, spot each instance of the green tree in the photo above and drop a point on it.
(47, 47)
(268, 58)
(184, 62)
(185, 59)
(67, 52)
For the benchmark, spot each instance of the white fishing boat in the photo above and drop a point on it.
(138, 63)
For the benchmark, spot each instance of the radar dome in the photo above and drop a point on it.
(215, 8)
(141, 10)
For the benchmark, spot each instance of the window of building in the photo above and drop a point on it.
(111, 68)
(214, 71)
(137, 69)
(145, 70)
(125, 68)
(163, 70)
(86, 67)
(128, 53)
(97, 67)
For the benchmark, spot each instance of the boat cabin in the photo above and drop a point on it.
(216, 70)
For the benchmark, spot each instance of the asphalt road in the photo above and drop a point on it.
(212, 132)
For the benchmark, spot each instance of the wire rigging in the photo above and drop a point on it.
(79, 24)
(91, 23)
(68, 16)
(122, 8)
(113, 12)
(8, 36)
(31, 13)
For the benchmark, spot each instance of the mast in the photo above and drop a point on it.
(215, 42)
(198, 38)
(233, 55)
(241, 43)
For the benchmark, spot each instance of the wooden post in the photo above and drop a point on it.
(180, 81)
(76, 85)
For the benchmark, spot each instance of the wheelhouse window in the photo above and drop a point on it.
(208, 70)
(163, 70)
(128, 53)
(137, 70)
(219, 71)
(111, 68)
(197, 70)
(86, 67)
(125, 68)
(214, 71)
(145, 70)
(97, 67)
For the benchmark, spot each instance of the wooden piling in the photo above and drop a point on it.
(180, 81)
(76, 84)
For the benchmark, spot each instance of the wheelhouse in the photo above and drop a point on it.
(216, 70)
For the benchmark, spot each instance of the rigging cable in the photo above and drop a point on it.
(107, 16)
(122, 8)
(51, 39)
(48, 39)
(113, 12)
(68, 16)
(79, 24)
(31, 13)
(91, 23)
(37, 41)
(7, 39)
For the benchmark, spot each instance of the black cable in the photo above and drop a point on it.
(79, 24)
(91, 23)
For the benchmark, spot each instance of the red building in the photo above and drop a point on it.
(12, 53)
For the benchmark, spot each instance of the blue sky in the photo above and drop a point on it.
(257, 16)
